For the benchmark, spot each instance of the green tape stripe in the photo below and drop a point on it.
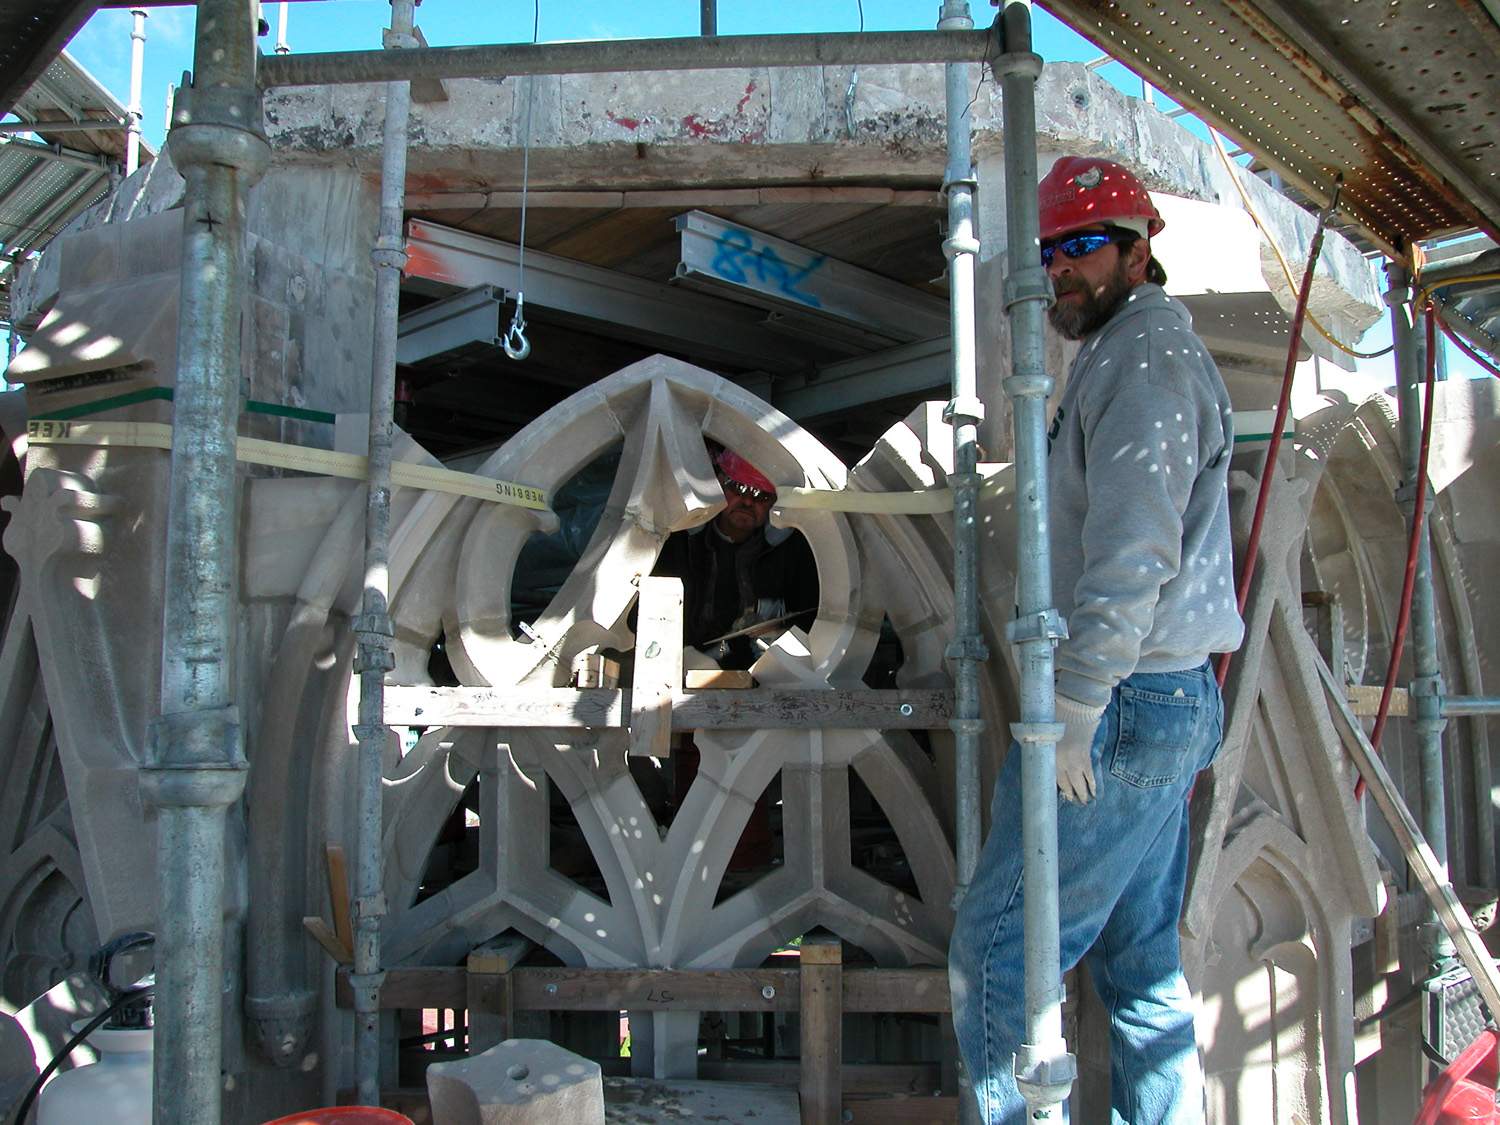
(164, 394)
(1261, 437)
(301, 414)
(83, 410)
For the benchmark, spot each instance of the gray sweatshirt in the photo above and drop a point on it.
(1142, 564)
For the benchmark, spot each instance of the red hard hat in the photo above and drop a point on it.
(1081, 191)
(737, 469)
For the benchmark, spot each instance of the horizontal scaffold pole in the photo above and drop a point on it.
(616, 56)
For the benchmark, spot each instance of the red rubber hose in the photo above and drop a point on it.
(1419, 515)
(1283, 408)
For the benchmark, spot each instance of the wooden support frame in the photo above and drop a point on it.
(665, 990)
(493, 987)
(821, 993)
(714, 709)
(490, 990)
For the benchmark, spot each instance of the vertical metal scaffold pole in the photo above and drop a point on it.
(197, 767)
(373, 626)
(1044, 1068)
(1427, 678)
(133, 111)
(964, 412)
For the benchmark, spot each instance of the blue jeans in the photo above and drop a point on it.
(1122, 862)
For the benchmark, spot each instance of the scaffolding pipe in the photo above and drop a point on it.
(196, 768)
(621, 56)
(1044, 1068)
(708, 17)
(965, 413)
(373, 626)
(1427, 680)
(1470, 704)
(133, 111)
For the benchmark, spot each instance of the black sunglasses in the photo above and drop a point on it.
(750, 491)
(1082, 245)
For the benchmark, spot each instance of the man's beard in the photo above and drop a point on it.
(1077, 319)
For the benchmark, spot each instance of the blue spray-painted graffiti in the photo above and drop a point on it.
(742, 260)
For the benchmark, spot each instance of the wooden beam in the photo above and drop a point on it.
(338, 894)
(822, 1024)
(681, 990)
(855, 1078)
(686, 198)
(900, 1109)
(490, 990)
(1364, 700)
(757, 708)
(657, 677)
(1467, 943)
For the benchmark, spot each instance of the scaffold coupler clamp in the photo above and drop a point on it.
(1043, 625)
(1045, 1079)
(965, 408)
(1405, 495)
(374, 631)
(1428, 717)
(1033, 283)
(970, 646)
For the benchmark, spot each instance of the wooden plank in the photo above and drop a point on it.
(338, 894)
(900, 1109)
(556, 200)
(412, 988)
(896, 990)
(446, 200)
(501, 955)
(697, 679)
(324, 936)
(875, 196)
(1364, 700)
(491, 990)
(657, 678)
(1467, 943)
(690, 990)
(822, 1035)
(754, 708)
(856, 1078)
(646, 990)
(688, 198)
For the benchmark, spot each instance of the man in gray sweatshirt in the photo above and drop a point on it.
(1142, 569)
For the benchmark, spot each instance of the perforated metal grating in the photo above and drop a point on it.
(1388, 93)
(1454, 1015)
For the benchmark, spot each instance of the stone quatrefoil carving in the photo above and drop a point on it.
(452, 569)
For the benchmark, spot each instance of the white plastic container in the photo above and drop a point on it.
(116, 1089)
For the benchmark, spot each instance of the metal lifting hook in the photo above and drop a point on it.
(515, 343)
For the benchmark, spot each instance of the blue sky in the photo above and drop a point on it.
(103, 46)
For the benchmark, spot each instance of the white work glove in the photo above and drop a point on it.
(1075, 749)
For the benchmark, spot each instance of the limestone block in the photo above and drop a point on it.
(517, 1082)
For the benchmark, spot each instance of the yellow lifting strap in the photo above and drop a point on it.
(352, 466)
(279, 455)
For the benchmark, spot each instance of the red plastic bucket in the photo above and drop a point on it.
(344, 1115)
(1465, 1091)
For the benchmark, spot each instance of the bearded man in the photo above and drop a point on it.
(1142, 568)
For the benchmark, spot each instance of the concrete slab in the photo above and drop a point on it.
(642, 1101)
(516, 1082)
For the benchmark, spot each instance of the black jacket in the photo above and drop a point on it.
(728, 586)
